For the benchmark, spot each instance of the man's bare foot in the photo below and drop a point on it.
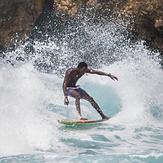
(105, 118)
(83, 118)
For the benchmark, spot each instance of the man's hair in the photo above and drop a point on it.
(82, 64)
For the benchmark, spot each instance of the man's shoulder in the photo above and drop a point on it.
(89, 70)
(71, 70)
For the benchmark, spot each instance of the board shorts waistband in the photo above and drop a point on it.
(77, 88)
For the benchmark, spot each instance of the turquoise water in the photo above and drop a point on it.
(32, 102)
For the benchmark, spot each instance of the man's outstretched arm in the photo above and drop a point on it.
(91, 71)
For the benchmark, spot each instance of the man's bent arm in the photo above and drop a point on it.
(65, 85)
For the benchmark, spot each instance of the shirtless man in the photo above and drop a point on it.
(71, 89)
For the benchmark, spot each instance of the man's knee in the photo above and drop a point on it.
(77, 97)
(91, 100)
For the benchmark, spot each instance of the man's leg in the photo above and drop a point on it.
(87, 97)
(76, 95)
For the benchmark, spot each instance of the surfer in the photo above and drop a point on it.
(70, 88)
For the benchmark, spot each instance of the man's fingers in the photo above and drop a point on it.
(113, 77)
(116, 78)
(67, 102)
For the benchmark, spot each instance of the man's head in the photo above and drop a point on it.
(82, 66)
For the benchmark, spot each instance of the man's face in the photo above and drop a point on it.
(83, 70)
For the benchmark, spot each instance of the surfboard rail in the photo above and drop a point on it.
(75, 122)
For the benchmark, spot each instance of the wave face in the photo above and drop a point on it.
(31, 101)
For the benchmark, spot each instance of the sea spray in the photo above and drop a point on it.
(32, 102)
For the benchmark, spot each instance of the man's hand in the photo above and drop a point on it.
(113, 77)
(66, 101)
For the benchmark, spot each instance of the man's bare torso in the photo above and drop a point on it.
(73, 75)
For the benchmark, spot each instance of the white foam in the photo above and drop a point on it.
(24, 124)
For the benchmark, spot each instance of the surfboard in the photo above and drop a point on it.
(78, 122)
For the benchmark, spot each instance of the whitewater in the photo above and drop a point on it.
(31, 102)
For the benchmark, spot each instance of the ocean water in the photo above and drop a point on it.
(31, 102)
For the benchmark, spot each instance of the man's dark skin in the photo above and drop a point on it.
(71, 77)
